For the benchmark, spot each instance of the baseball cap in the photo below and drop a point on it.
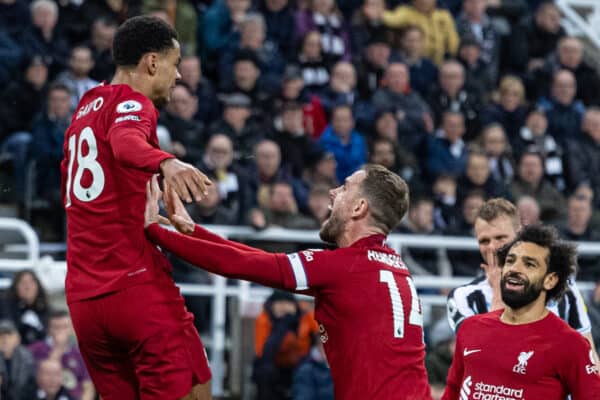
(235, 99)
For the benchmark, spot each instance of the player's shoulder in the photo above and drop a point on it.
(125, 100)
(479, 320)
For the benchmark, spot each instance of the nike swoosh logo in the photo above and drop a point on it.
(467, 352)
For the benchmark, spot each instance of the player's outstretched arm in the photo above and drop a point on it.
(181, 220)
(219, 258)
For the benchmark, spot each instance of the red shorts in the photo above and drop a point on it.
(140, 343)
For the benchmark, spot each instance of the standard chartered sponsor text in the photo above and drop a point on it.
(484, 391)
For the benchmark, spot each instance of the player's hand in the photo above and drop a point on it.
(493, 272)
(153, 195)
(178, 215)
(185, 179)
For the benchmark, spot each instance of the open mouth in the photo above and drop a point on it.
(514, 284)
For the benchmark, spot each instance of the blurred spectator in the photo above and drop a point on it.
(191, 74)
(534, 39)
(347, 144)
(279, 17)
(447, 152)
(247, 79)
(181, 15)
(452, 95)
(102, 35)
(265, 170)
(237, 123)
(495, 145)
(14, 17)
(283, 335)
(312, 64)
(10, 57)
(325, 17)
(463, 261)
(116, 10)
(419, 221)
(47, 151)
(209, 210)
(530, 181)
(474, 22)
(60, 346)
(185, 131)
(371, 65)
(438, 25)
(412, 113)
(296, 146)
(71, 21)
(312, 379)
(583, 156)
(563, 111)
(529, 211)
(439, 355)
(423, 72)
(569, 56)
(386, 152)
(253, 37)
(321, 170)
(318, 202)
(445, 212)
(49, 380)
(43, 37)
(76, 78)
(221, 25)
(342, 87)
(366, 23)
(22, 99)
(478, 74)
(477, 176)
(281, 210)
(26, 304)
(534, 136)
(510, 110)
(17, 365)
(233, 193)
(578, 229)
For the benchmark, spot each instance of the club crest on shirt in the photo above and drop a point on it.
(521, 366)
(128, 106)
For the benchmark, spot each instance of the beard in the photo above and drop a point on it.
(519, 299)
(331, 228)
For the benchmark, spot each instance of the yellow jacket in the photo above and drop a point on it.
(440, 33)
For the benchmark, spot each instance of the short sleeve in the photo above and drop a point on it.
(578, 370)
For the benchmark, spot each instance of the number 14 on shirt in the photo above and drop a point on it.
(415, 317)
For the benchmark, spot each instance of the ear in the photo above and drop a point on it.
(360, 208)
(150, 63)
(550, 281)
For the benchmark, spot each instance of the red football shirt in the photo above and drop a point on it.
(110, 152)
(365, 302)
(543, 360)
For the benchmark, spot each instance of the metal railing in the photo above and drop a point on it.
(582, 16)
(246, 293)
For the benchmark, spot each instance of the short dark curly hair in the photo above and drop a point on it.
(562, 256)
(140, 35)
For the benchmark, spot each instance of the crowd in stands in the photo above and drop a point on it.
(279, 101)
(39, 358)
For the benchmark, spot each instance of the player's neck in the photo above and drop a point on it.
(532, 312)
(133, 79)
(356, 232)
